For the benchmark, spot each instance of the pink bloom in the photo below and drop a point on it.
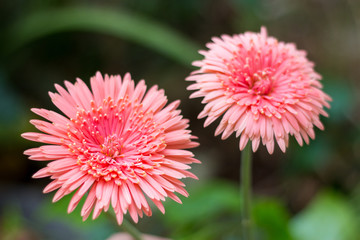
(267, 89)
(118, 144)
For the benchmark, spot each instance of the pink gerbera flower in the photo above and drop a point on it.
(118, 144)
(267, 89)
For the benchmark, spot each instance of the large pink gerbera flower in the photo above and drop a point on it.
(267, 89)
(118, 144)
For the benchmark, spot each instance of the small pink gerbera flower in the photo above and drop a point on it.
(267, 89)
(118, 144)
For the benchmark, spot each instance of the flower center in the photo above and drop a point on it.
(261, 82)
(249, 76)
(116, 140)
(111, 146)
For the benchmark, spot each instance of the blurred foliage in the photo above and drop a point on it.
(11, 108)
(329, 216)
(12, 223)
(101, 20)
(212, 203)
(311, 192)
(52, 216)
(272, 219)
(212, 212)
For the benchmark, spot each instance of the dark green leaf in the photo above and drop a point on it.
(272, 219)
(106, 21)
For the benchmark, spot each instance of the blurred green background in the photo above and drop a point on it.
(309, 193)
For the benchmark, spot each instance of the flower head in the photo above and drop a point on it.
(267, 89)
(118, 143)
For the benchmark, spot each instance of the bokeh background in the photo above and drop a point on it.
(308, 193)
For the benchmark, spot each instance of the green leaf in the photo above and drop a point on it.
(272, 219)
(206, 201)
(355, 203)
(328, 217)
(114, 22)
(214, 203)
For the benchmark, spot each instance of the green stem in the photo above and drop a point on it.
(131, 229)
(246, 222)
(126, 226)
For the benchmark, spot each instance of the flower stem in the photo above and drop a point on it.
(126, 226)
(131, 229)
(246, 223)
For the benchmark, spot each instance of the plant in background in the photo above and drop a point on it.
(264, 90)
(118, 143)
